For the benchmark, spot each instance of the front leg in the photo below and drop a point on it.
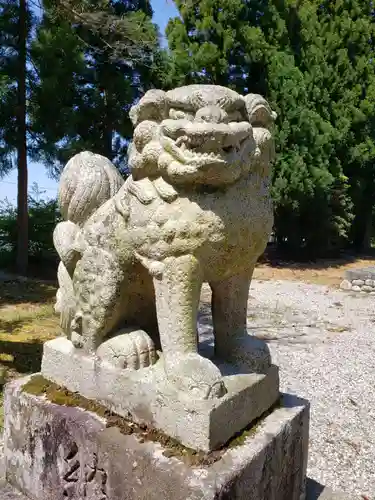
(177, 292)
(232, 341)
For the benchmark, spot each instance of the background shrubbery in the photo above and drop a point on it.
(43, 217)
(71, 69)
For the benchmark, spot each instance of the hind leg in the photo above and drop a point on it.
(229, 314)
(106, 295)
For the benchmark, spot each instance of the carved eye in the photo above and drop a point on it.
(236, 116)
(211, 114)
(144, 133)
(178, 114)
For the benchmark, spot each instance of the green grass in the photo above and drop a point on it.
(27, 320)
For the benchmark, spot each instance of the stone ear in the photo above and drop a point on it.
(152, 106)
(259, 111)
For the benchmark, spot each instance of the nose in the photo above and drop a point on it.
(211, 114)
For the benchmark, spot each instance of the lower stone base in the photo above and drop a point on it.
(7, 492)
(56, 452)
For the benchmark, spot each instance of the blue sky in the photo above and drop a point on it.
(163, 10)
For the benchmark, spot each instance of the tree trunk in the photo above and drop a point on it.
(362, 225)
(22, 208)
(368, 232)
(364, 232)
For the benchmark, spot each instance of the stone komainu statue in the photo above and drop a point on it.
(195, 209)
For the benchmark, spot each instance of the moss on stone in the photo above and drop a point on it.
(249, 431)
(173, 448)
(39, 386)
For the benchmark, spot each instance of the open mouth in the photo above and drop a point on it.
(190, 150)
(197, 143)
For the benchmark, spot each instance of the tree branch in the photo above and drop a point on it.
(128, 31)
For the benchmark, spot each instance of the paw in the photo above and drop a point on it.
(129, 349)
(76, 331)
(249, 354)
(195, 374)
(77, 340)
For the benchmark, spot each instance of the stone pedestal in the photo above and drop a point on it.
(146, 396)
(55, 452)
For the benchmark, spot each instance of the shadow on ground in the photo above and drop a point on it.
(24, 357)
(316, 491)
(10, 326)
(16, 291)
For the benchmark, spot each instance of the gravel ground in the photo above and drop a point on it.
(324, 342)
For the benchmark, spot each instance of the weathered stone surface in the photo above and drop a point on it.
(130, 349)
(367, 288)
(360, 274)
(356, 288)
(345, 285)
(369, 282)
(88, 181)
(358, 282)
(148, 396)
(8, 492)
(55, 452)
(196, 209)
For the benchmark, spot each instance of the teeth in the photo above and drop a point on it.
(183, 153)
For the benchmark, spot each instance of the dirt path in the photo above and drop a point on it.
(325, 272)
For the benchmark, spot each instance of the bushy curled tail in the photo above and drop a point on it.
(87, 182)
